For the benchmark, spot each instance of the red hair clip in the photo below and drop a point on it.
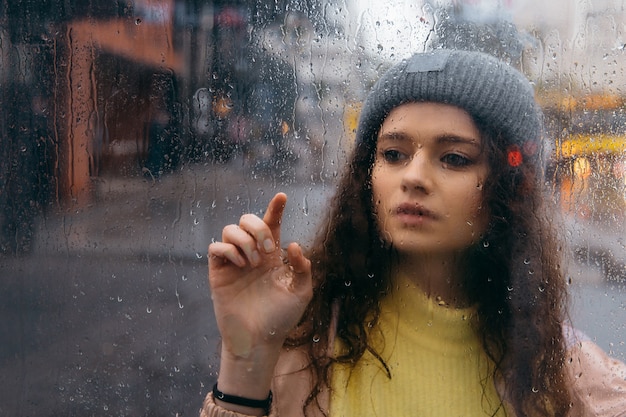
(514, 156)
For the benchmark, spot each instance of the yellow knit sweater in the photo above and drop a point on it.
(436, 362)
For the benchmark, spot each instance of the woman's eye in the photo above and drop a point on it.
(393, 155)
(455, 160)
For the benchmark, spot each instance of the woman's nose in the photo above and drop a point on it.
(417, 174)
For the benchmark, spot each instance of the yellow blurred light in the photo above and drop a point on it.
(601, 101)
(567, 102)
(222, 106)
(351, 119)
(586, 145)
(582, 168)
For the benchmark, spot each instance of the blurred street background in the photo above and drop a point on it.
(133, 131)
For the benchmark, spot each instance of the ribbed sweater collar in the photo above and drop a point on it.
(439, 326)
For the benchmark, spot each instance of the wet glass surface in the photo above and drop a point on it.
(132, 131)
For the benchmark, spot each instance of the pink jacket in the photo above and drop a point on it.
(598, 384)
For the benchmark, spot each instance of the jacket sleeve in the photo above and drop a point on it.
(597, 381)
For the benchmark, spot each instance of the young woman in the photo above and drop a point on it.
(435, 286)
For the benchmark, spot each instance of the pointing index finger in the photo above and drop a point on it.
(274, 215)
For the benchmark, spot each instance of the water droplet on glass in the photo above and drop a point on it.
(305, 205)
(316, 339)
(138, 21)
(526, 261)
(198, 255)
(485, 244)
(348, 283)
(148, 310)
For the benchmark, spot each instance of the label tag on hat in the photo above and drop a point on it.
(428, 62)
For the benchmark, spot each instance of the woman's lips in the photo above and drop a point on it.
(414, 213)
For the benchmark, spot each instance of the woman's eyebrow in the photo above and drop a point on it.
(451, 138)
(395, 136)
(446, 138)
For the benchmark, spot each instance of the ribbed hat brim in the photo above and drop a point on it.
(494, 93)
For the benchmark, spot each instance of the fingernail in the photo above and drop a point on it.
(256, 258)
(241, 262)
(268, 245)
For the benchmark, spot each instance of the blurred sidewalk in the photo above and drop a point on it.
(599, 253)
(177, 214)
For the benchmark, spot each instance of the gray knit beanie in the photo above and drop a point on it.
(496, 95)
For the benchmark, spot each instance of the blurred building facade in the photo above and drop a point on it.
(123, 82)
(138, 87)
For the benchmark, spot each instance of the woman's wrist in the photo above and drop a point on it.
(239, 380)
(243, 403)
(250, 376)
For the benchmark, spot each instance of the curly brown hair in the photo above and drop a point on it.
(516, 280)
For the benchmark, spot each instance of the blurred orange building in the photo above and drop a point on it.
(145, 39)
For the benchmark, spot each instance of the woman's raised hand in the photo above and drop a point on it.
(259, 292)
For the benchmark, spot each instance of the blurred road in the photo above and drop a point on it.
(111, 313)
(105, 336)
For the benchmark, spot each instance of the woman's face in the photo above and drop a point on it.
(427, 179)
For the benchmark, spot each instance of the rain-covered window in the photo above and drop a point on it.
(131, 131)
